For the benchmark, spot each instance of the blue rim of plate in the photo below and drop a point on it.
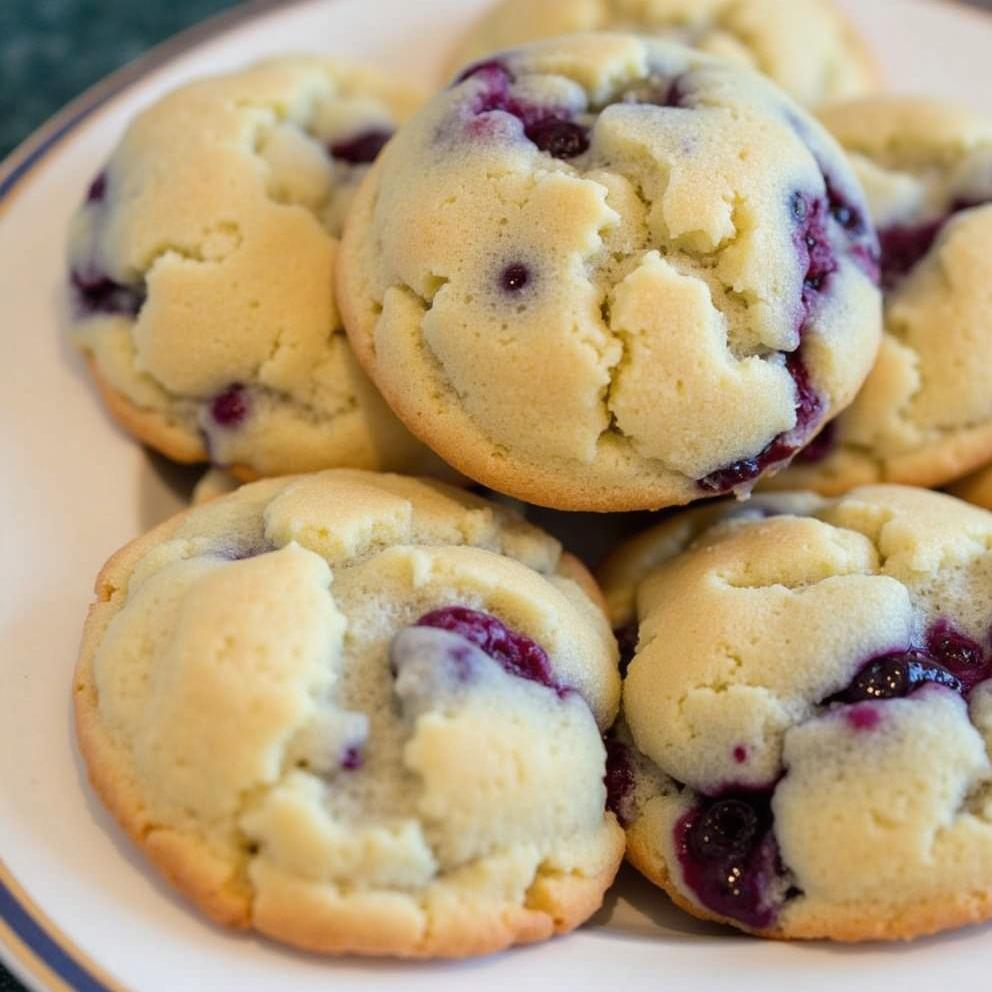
(31, 945)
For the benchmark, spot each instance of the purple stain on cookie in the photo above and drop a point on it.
(95, 293)
(740, 754)
(809, 411)
(730, 861)
(231, 407)
(619, 781)
(515, 653)
(514, 278)
(362, 148)
(816, 254)
(863, 718)
(352, 759)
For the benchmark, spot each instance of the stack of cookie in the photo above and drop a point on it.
(611, 267)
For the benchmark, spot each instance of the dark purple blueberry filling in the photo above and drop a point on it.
(740, 754)
(363, 148)
(559, 138)
(514, 277)
(99, 294)
(352, 759)
(959, 654)
(860, 234)
(729, 858)
(627, 640)
(816, 253)
(490, 70)
(949, 658)
(895, 676)
(619, 780)
(677, 96)
(516, 654)
(231, 407)
(904, 246)
(547, 127)
(97, 189)
(809, 409)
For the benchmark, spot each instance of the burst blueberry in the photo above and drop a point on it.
(231, 407)
(516, 654)
(362, 149)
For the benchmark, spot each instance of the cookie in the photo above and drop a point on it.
(807, 47)
(975, 488)
(213, 483)
(201, 267)
(924, 416)
(610, 273)
(359, 713)
(809, 717)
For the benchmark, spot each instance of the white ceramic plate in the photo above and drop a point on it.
(78, 907)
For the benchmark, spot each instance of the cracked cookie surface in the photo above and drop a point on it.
(360, 713)
(669, 289)
(810, 678)
(806, 46)
(201, 271)
(924, 416)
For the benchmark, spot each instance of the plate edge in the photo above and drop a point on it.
(22, 159)
(38, 952)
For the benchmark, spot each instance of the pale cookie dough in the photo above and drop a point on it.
(924, 416)
(360, 713)
(806, 46)
(611, 273)
(201, 270)
(809, 716)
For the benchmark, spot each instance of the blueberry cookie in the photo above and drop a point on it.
(924, 416)
(201, 271)
(360, 713)
(611, 273)
(809, 717)
(975, 488)
(806, 46)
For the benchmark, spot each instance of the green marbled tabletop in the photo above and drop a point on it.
(52, 50)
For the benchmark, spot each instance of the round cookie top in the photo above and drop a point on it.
(359, 713)
(668, 289)
(201, 269)
(811, 683)
(924, 416)
(806, 46)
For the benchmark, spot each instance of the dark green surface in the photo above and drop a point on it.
(51, 50)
